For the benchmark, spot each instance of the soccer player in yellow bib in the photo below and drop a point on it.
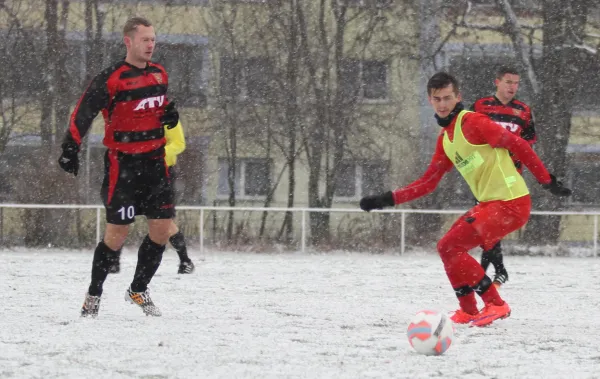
(480, 150)
(175, 146)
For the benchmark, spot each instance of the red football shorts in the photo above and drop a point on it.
(493, 220)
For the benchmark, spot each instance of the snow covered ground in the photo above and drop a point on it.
(290, 316)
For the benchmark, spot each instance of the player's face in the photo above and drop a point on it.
(507, 87)
(140, 45)
(444, 100)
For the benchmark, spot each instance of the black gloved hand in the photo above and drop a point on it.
(170, 117)
(69, 160)
(556, 187)
(368, 203)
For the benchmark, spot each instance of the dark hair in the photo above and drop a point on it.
(503, 70)
(442, 80)
(132, 24)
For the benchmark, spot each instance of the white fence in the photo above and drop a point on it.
(303, 212)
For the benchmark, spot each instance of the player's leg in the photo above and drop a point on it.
(489, 256)
(492, 223)
(465, 274)
(155, 196)
(150, 256)
(120, 212)
(494, 256)
(115, 264)
(177, 240)
(106, 254)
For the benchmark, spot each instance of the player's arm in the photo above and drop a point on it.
(498, 137)
(528, 132)
(94, 99)
(480, 130)
(175, 142)
(439, 165)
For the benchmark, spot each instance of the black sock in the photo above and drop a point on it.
(117, 258)
(103, 258)
(149, 258)
(178, 242)
(493, 256)
(497, 259)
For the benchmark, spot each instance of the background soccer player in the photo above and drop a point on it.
(132, 96)
(479, 149)
(516, 117)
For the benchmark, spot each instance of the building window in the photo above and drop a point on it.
(356, 180)
(366, 79)
(345, 180)
(247, 78)
(252, 177)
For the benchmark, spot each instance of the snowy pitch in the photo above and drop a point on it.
(290, 316)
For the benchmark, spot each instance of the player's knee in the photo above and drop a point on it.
(159, 232)
(115, 235)
(443, 246)
(173, 229)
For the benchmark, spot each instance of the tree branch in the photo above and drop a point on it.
(513, 29)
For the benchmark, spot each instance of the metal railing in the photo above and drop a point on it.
(303, 212)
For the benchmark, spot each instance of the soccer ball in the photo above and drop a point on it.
(430, 332)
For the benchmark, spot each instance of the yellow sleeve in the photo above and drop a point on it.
(175, 143)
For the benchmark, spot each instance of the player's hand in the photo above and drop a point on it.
(69, 160)
(556, 187)
(170, 117)
(368, 203)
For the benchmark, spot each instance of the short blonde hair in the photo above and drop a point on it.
(132, 24)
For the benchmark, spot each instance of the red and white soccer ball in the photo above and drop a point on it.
(430, 332)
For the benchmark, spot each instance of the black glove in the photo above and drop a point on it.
(368, 203)
(170, 117)
(556, 187)
(69, 161)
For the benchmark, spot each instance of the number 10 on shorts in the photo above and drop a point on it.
(127, 213)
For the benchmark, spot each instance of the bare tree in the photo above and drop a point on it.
(313, 103)
(17, 50)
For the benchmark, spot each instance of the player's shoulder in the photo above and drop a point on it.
(483, 102)
(103, 78)
(486, 99)
(521, 105)
(156, 67)
(474, 117)
(108, 71)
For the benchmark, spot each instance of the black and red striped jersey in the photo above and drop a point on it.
(516, 117)
(131, 100)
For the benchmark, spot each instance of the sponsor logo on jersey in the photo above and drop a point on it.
(158, 77)
(150, 103)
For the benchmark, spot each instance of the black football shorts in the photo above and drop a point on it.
(135, 186)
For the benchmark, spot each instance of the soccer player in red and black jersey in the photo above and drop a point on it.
(132, 96)
(516, 117)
